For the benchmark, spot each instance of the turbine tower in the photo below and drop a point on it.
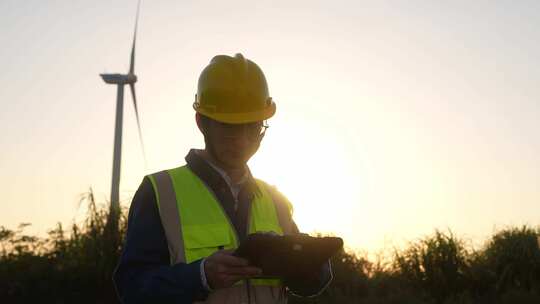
(120, 80)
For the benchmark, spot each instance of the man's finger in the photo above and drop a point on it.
(242, 271)
(227, 251)
(230, 260)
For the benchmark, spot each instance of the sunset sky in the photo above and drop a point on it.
(394, 118)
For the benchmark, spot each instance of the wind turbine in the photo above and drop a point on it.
(121, 80)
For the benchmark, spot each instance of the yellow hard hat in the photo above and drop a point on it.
(233, 90)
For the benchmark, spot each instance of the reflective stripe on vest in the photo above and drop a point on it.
(196, 225)
(169, 215)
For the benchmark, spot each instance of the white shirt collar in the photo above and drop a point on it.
(235, 188)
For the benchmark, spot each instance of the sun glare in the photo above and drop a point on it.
(315, 175)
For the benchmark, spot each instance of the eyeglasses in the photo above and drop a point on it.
(253, 131)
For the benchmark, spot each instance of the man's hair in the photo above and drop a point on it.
(205, 121)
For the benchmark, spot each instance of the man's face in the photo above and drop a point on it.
(233, 144)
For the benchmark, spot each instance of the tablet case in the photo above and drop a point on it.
(288, 256)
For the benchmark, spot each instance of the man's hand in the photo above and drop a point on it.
(223, 269)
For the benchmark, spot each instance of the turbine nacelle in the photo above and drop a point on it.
(119, 78)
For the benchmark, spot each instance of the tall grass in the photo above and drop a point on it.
(441, 268)
(76, 265)
(435, 266)
(514, 258)
(73, 266)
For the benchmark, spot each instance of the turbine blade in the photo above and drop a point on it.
(132, 63)
(132, 87)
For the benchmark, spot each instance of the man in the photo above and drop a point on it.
(185, 223)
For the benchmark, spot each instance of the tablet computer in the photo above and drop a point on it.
(290, 255)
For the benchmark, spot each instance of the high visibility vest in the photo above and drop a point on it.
(195, 223)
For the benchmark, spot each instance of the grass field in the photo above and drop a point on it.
(75, 265)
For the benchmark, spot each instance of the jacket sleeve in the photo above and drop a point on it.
(144, 273)
(307, 287)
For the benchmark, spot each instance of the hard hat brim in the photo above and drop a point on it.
(238, 118)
